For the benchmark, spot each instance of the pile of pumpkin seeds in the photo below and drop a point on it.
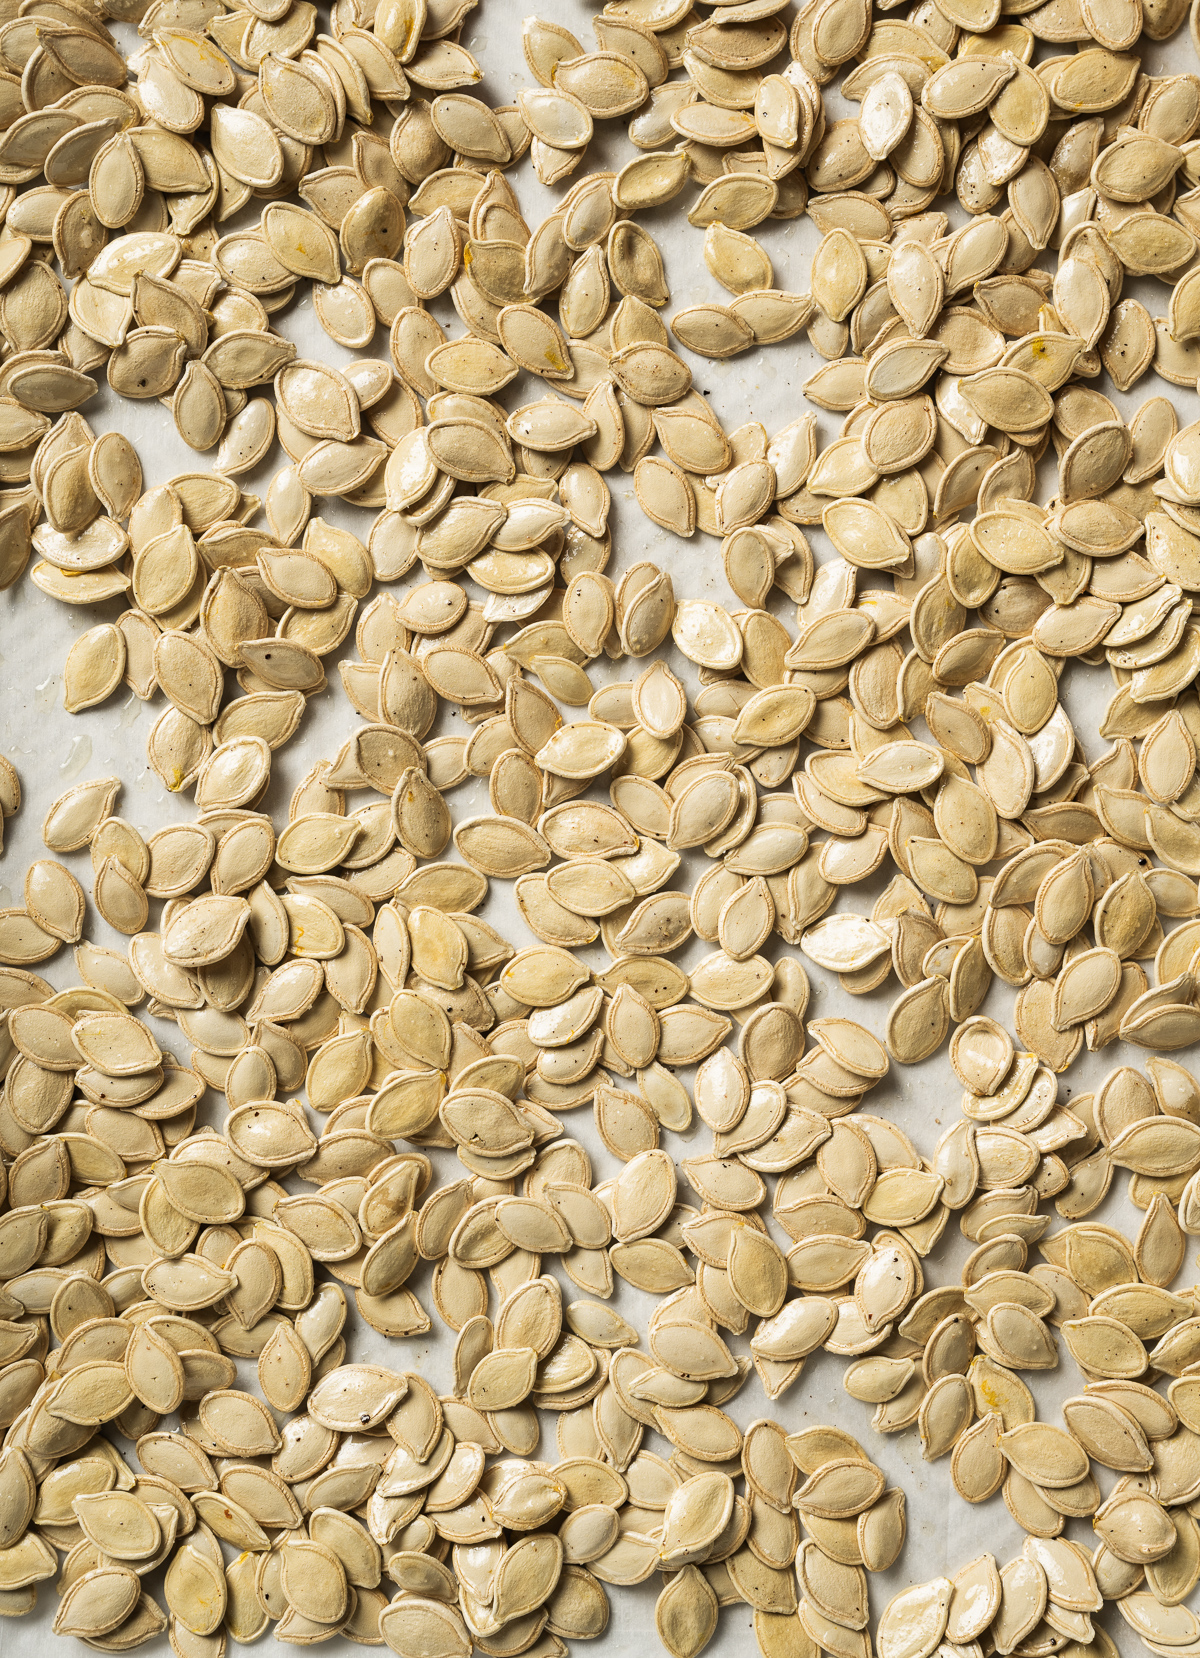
(189, 185)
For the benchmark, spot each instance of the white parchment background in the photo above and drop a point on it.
(52, 749)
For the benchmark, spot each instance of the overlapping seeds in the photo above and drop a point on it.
(191, 1446)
